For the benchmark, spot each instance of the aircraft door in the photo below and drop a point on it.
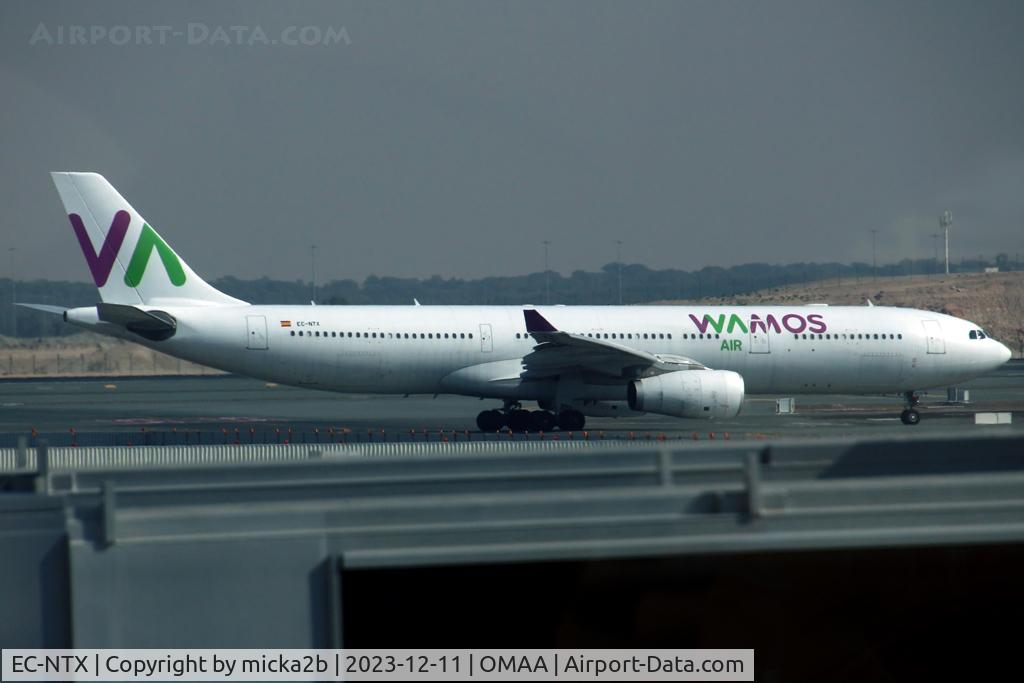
(759, 342)
(933, 333)
(486, 343)
(257, 332)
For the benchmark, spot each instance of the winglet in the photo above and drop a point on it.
(535, 322)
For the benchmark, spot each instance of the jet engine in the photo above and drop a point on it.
(688, 393)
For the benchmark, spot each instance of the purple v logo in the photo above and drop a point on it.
(101, 264)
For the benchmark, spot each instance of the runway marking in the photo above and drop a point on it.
(188, 420)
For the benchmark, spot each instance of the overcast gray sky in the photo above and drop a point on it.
(453, 138)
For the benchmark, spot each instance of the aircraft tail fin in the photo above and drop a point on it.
(129, 262)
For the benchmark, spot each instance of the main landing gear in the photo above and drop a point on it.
(910, 416)
(513, 417)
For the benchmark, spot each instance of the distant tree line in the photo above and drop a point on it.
(639, 284)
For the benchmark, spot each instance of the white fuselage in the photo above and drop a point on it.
(478, 350)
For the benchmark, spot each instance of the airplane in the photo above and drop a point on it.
(573, 361)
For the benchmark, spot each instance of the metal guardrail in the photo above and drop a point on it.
(65, 458)
(309, 514)
(314, 436)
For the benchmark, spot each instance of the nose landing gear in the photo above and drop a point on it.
(910, 416)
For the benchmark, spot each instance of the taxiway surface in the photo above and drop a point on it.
(213, 404)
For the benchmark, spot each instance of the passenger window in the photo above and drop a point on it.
(470, 335)
(669, 335)
(293, 333)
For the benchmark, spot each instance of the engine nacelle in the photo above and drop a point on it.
(689, 393)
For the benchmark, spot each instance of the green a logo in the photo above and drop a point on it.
(149, 240)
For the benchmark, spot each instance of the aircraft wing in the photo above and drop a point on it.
(559, 352)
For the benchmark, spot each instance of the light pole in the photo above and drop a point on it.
(547, 275)
(312, 269)
(945, 222)
(14, 309)
(935, 250)
(618, 261)
(874, 259)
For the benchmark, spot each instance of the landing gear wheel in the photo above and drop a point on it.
(910, 416)
(519, 420)
(490, 421)
(571, 420)
(541, 421)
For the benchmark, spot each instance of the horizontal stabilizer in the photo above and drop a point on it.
(153, 325)
(45, 308)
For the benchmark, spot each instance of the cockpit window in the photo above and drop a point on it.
(982, 335)
(973, 334)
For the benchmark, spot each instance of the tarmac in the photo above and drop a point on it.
(224, 407)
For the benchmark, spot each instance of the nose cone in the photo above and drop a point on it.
(1004, 353)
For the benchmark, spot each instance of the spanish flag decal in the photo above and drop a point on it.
(286, 323)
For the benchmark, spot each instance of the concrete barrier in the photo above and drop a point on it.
(785, 406)
(993, 418)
